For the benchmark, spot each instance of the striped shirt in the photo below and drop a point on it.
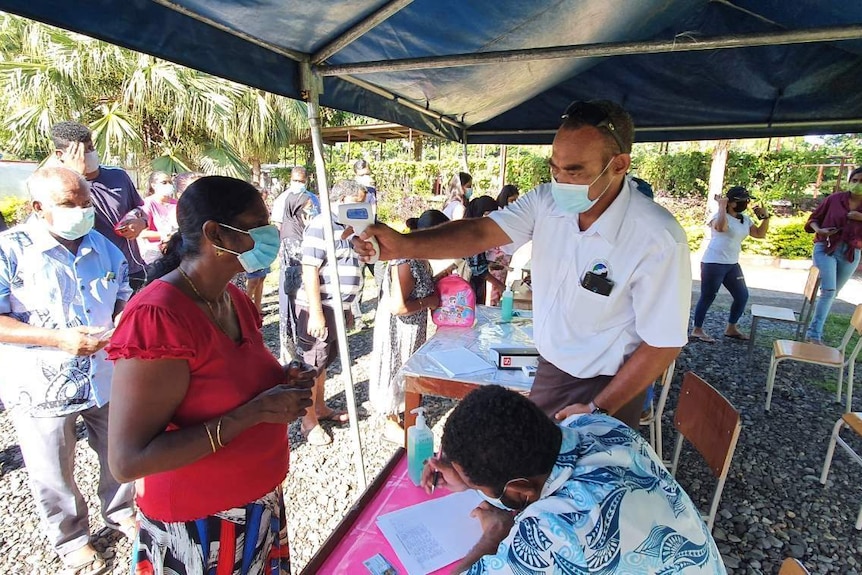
(314, 254)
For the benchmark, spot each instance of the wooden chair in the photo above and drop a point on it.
(708, 420)
(785, 314)
(792, 566)
(850, 421)
(787, 349)
(656, 409)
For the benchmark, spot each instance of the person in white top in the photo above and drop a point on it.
(611, 270)
(458, 193)
(720, 263)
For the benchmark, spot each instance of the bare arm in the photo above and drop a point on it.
(145, 395)
(719, 224)
(760, 231)
(402, 285)
(75, 340)
(644, 366)
(455, 239)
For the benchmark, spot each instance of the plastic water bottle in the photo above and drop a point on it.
(420, 446)
(507, 304)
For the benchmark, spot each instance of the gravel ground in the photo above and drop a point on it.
(773, 506)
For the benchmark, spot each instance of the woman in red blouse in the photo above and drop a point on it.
(199, 405)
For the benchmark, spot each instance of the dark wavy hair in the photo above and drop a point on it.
(854, 172)
(217, 198)
(497, 435)
(507, 192)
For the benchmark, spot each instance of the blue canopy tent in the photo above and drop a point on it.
(478, 71)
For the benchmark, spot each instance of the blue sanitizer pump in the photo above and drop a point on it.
(420, 446)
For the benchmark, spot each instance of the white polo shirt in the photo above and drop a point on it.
(641, 248)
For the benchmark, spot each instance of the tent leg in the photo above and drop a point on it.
(311, 94)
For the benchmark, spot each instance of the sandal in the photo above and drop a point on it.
(335, 416)
(317, 436)
(84, 561)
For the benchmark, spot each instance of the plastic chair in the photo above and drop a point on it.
(785, 314)
(711, 424)
(656, 409)
(787, 349)
(792, 566)
(850, 421)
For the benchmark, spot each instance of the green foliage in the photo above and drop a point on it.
(14, 209)
(682, 174)
(785, 239)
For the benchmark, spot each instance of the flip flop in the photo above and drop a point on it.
(704, 338)
(335, 416)
(85, 561)
(317, 436)
(739, 336)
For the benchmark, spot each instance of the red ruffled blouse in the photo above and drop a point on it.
(161, 322)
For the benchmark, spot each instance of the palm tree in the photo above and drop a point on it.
(142, 110)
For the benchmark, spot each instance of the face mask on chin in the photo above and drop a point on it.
(265, 249)
(71, 223)
(575, 198)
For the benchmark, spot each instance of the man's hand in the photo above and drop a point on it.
(572, 410)
(826, 232)
(389, 240)
(73, 157)
(448, 477)
(317, 324)
(133, 228)
(496, 523)
(854, 215)
(80, 340)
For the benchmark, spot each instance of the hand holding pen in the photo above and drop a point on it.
(446, 476)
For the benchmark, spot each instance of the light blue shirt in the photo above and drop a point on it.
(44, 285)
(608, 506)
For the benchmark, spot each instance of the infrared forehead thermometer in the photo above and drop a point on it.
(359, 217)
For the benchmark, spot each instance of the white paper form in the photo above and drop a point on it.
(460, 361)
(433, 534)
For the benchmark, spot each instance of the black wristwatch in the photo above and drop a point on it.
(594, 409)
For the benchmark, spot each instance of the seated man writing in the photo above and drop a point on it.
(585, 496)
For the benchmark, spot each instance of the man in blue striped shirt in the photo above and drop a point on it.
(315, 323)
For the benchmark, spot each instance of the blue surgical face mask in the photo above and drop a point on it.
(72, 223)
(264, 252)
(468, 193)
(297, 187)
(575, 198)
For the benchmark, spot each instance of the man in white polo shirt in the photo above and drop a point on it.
(610, 268)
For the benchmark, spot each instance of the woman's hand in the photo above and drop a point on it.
(826, 232)
(854, 215)
(432, 301)
(280, 404)
(299, 375)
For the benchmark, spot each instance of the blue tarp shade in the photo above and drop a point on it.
(728, 93)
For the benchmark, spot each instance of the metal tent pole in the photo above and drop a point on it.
(310, 94)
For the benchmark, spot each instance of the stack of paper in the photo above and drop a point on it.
(428, 536)
(459, 361)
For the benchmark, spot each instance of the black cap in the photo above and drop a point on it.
(738, 193)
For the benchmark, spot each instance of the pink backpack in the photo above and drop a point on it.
(457, 303)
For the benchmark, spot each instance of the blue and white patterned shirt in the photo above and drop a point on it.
(44, 285)
(609, 506)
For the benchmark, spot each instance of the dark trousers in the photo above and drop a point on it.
(553, 389)
(712, 277)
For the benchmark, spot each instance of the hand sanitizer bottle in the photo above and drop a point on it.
(420, 446)
(507, 304)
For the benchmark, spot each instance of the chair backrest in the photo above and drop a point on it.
(812, 284)
(708, 420)
(856, 320)
(792, 566)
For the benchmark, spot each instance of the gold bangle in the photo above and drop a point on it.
(218, 433)
(210, 435)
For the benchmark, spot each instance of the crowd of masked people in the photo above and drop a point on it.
(187, 408)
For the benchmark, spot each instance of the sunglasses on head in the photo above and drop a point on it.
(594, 116)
